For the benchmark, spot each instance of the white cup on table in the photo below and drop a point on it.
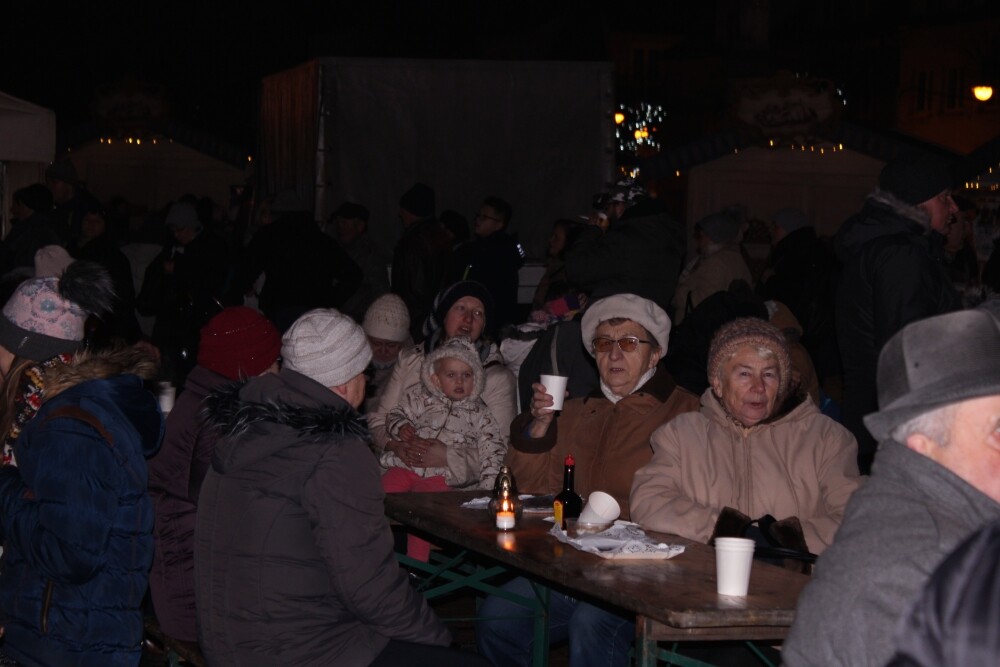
(555, 386)
(600, 508)
(733, 560)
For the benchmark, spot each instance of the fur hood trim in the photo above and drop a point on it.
(460, 348)
(901, 208)
(233, 416)
(101, 365)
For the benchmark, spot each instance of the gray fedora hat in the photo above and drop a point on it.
(934, 362)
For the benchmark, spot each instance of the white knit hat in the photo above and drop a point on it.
(327, 346)
(387, 318)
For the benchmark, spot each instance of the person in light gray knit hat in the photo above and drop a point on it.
(326, 346)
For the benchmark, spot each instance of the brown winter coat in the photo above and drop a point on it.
(609, 441)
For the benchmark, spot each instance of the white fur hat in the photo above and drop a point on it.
(327, 346)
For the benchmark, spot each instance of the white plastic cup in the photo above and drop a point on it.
(600, 508)
(733, 559)
(166, 393)
(555, 386)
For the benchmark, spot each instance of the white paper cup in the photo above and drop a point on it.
(733, 559)
(166, 393)
(555, 386)
(600, 508)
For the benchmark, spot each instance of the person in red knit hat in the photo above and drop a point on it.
(235, 345)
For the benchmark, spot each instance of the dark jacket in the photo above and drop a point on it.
(77, 519)
(641, 254)
(420, 264)
(183, 301)
(801, 273)
(294, 558)
(955, 620)
(897, 529)
(893, 274)
(17, 252)
(121, 323)
(493, 261)
(303, 268)
(374, 263)
(175, 477)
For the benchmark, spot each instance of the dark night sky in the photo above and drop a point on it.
(211, 60)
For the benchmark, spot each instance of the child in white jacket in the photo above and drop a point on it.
(446, 406)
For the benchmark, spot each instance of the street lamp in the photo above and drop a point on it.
(982, 93)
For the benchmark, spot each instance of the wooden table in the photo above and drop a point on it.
(672, 599)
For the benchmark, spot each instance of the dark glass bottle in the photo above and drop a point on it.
(568, 504)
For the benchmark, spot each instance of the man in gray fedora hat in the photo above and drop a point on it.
(935, 481)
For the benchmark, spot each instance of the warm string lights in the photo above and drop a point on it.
(137, 141)
(134, 141)
(636, 127)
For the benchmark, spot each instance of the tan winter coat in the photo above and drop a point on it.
(801, 464)
(609, 441)
(475, 442)
(708, 275)
(500, 393)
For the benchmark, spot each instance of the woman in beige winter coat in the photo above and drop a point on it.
(750, 448)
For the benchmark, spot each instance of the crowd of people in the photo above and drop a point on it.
(842, 405)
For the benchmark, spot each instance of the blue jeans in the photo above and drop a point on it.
(597, 638)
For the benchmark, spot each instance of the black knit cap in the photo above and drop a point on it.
(447, 297)
(419, 200)
(914, 181)
(351, 211)
(37, 197)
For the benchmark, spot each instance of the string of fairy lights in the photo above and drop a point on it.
(637, 127)
(138, 141)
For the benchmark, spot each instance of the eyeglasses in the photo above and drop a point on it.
(626, 344)
(480, 216)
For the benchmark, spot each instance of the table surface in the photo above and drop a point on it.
(679, 592)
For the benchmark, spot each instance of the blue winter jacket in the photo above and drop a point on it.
(77, 526)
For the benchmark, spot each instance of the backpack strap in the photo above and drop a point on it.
(78, 413)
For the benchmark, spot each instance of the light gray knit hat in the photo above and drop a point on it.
(326, 346)
(387, 318)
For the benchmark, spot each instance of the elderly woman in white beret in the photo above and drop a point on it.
(608, 435)
(751, 451)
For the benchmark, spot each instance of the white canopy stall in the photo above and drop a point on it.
(27, 146)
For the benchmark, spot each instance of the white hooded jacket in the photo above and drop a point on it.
(476, 444)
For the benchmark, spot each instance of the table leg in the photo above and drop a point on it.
(540, 654)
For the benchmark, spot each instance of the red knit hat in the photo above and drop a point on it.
(238, 343)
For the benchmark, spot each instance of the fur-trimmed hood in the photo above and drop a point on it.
(883, 214)
(88, 365)
(460, 348)
(270, 412)
(93, 379)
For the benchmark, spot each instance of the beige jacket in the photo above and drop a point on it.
(609, 441)
(500, 394)
(708, 275)
(802, 464)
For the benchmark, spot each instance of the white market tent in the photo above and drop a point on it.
(27, 146)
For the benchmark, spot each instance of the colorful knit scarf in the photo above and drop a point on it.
(30, 392)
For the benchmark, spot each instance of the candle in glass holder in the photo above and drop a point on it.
(505, 515)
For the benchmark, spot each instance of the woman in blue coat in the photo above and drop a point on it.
(75, 516)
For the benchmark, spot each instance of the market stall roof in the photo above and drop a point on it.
(879, 144)
(27, 131)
